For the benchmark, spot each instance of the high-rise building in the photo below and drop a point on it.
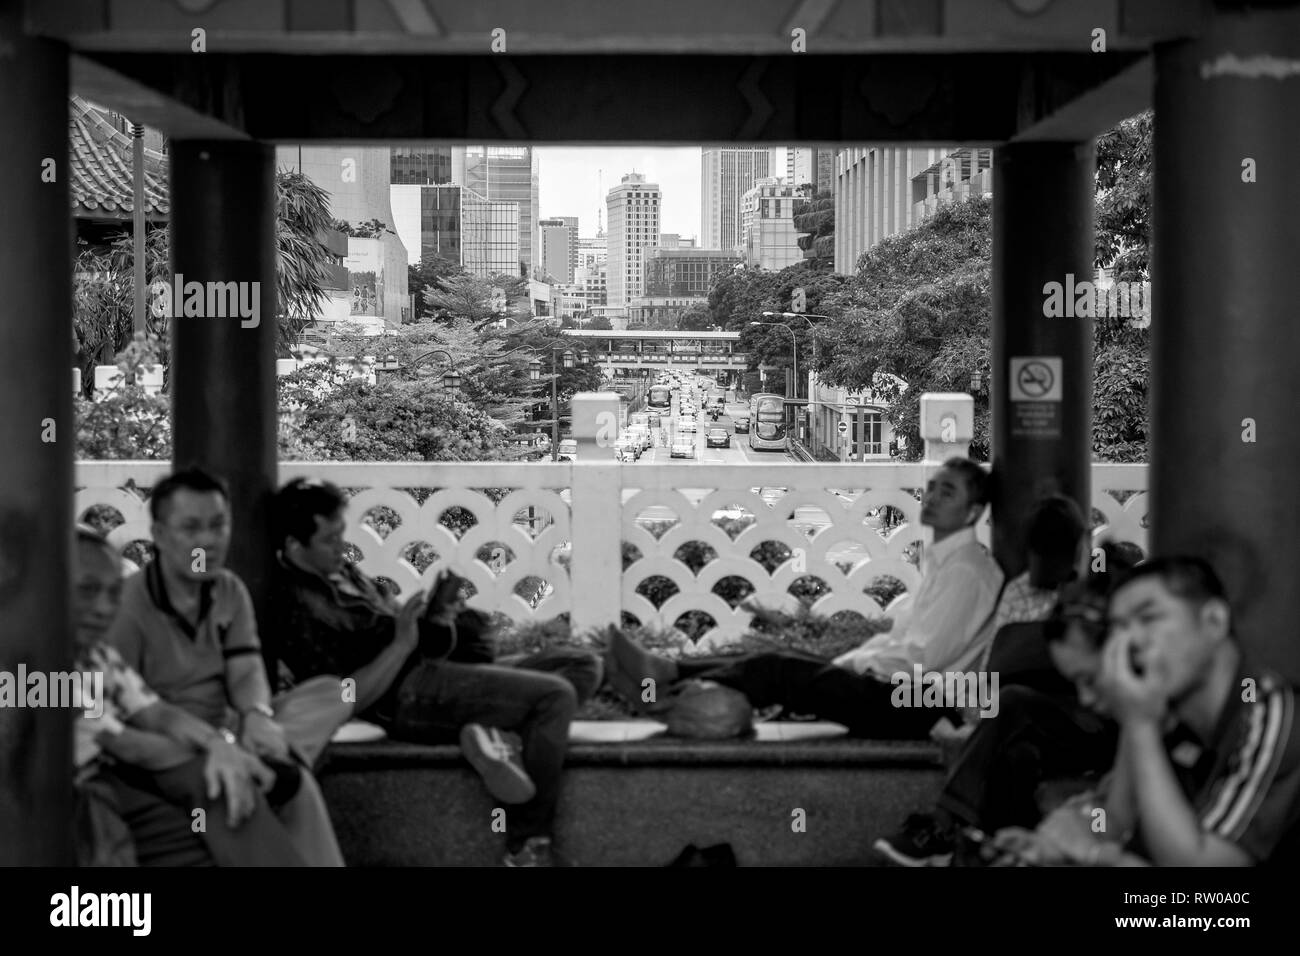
(768, 225)
(633, 208)
(426, 165)
(884, 190)
(559, 247)
(507, 174)
(811, 164)
(726, 174)
(428, 220)
(490, 237)
(676, 280)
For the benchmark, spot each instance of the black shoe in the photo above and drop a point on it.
(923, 841)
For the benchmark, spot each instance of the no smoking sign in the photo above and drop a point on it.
(1035, 386)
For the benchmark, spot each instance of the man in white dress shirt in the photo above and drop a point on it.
(943, 632)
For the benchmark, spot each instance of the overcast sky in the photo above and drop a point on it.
(570, 182)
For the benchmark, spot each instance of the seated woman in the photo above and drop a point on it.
(188, 793)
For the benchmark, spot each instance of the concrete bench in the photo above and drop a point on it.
(639, 802)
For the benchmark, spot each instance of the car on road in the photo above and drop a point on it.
(569, 450)
(742, 426)
(641, 434)
(686, 426)
(630, 444)
(683, 449)
(717, 438)
(624, 452)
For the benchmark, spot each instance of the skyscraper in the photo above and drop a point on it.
(726, 174)
(633, 208)
(559, 247)
(507, 174)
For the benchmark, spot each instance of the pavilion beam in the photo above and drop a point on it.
(38, 435)
(1042, 232)
(1225, 342)
(224, 416)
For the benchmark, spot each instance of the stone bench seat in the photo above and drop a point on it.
(629, 800)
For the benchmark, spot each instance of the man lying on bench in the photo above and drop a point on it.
(943, 633)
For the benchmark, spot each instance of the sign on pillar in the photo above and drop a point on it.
(1035, 387)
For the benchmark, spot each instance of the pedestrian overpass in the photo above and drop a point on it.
(643, 353)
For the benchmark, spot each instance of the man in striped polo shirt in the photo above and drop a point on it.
(1208, 768)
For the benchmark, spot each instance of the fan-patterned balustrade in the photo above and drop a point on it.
(699, 542)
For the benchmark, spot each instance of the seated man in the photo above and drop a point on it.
(1036, 736)
(152, 763)
(958, 590)
(1208, 768)
(187, 627)
(333, 619)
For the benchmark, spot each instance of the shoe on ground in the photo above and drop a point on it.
(496, 763)
(921, 842)
(536, 851)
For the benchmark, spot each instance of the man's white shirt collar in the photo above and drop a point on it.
(939, 552)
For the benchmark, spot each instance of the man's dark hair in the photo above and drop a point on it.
(1055, 526)
(976, 478)
(1189, 578)
(1084, 602)
(188, 479)
(298, 504)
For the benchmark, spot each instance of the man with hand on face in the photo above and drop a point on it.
(1208, 767)
(187, 627)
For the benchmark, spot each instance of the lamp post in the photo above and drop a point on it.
(794, 344)
(535, 373)
(807, 317)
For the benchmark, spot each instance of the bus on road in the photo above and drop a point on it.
(767, 422)
(661, 396)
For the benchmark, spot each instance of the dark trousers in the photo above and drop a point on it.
(159, 807)
(804, 684)
(1034, 738)
(436, 699)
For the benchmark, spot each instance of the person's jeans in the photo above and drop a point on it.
(583, 669)
(1035, 737)
(804, 684)
(166, 838)
(438, 698)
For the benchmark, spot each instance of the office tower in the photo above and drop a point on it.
(559, 247)
(770, 240)
(726, 174)
(633, 208)
(507, 174)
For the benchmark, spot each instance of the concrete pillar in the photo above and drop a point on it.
(38, 435)
(1225, 344)
(1042, 366)
(223, 369)
(596, 568)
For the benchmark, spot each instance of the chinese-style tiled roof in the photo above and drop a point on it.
(102, 157)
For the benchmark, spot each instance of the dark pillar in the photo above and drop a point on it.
(35, 474)
(1042, 232)
(1225, 341)
(223, 373)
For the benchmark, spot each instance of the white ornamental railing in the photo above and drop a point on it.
(670, 545)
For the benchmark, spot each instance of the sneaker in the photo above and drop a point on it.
(496, 763)
(921, 842)
(536, 851)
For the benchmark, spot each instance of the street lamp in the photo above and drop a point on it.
(794, 343)
(807, 317)
(451, 382)
(535, 374)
